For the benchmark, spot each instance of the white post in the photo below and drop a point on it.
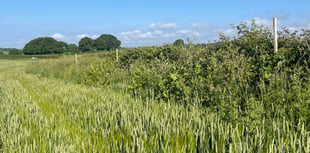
(76, 60)
(116, 52)
(275, 35)
(33, 59)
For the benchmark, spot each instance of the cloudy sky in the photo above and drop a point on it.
(140, 22)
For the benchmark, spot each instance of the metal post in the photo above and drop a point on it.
(275, 35)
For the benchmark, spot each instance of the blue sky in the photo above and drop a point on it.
(141, 22)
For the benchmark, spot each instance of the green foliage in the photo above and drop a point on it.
(179, 42)
(107, 42)
(73, 48)
(86, 44)
(16, 52)
(8, 50)
(45, 45)
(104, 42)
(1, 53)
(99, 74)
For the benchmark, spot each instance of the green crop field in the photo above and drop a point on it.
(232, 96)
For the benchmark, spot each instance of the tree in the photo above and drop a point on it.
(45, 45)
(107, 42)
(61, 47)
(104, 42)
(86, 44)
(179, 42)
(16, 52)
(73, 48)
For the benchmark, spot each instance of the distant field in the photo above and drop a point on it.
(5, 52)
(8, 64)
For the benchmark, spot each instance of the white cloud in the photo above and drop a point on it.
(58, 36)
(201, 26)
(145, 35)
(94, 36)
(195, 33)
(81, 36)
(230, 32)
(183, 31)
(138, 34)
(127, 33)
(188, 32)
(261, 22)
(158, 32)
(161, 26)
(168, 35)
(86, 35)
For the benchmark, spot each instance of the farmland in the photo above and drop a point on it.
(232, 96)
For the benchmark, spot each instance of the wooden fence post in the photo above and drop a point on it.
(76, 59)
(275, 35)
(116, 52)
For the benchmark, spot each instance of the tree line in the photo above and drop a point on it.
(48, 45)
(12, 51)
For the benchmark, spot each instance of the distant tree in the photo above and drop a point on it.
(86, 44)
(61, 47)
(11, 51)
(16, 52)
(45, 45)
(73, 48)
(1, 53)
(179, 42)
(104, 42)
(107, 42)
